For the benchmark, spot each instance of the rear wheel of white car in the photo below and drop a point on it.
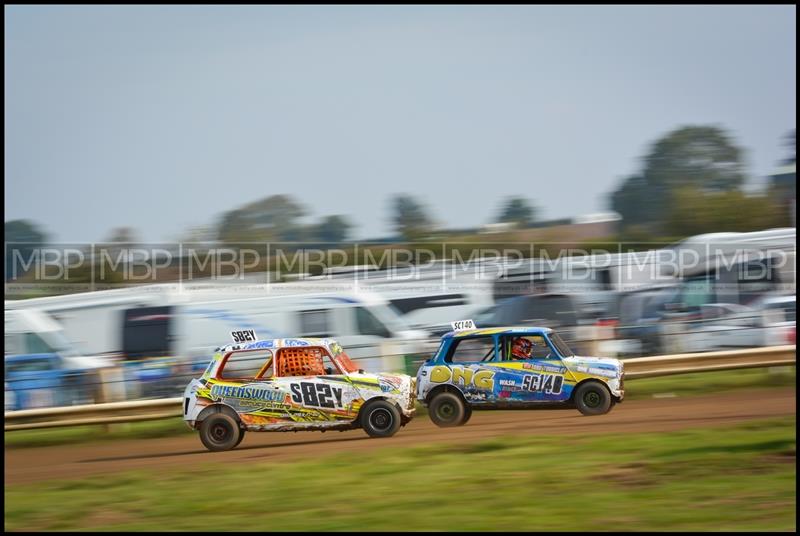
(241, 436)
(592, 398)
(220, 431)
(380, 419)
(447, 409)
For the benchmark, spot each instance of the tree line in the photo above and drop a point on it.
(691, 182)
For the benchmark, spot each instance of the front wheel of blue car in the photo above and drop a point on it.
(593, 398)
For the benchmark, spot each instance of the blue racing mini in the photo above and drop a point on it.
(513, 367)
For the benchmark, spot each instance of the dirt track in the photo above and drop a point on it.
(664, 414)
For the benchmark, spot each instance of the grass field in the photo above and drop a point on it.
(682, 385)
(736, 478)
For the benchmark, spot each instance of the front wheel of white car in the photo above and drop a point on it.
(380, 419)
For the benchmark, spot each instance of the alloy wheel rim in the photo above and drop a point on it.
(446, 411)
(380, 419)
(592, 399)
(219, 432)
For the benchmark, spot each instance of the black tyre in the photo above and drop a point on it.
(241, 436)
(220, 431)
(447, 409)
(380, 419)
(592, 398)
(467, 415)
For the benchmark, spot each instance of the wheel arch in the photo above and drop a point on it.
(446, 388)
(219, 407)
(591, 380)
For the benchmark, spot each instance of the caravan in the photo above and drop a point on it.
(43, 367)
(159, 321)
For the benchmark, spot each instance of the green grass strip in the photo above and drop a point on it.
(734, 478)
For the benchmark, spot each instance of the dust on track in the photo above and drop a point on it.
(24, 465)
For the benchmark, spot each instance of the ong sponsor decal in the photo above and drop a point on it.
(480, 379)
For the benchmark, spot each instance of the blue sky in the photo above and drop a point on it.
(164, 117)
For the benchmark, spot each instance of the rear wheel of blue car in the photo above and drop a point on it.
(467, 414)
(448, 409)
(220, 431)
(592, 398)
(380, 419)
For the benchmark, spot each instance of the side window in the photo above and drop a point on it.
(328, 365)
(146, 331)
(471, 350)
(13, 344)
(300, 361)
(528, 347)
(314, 323)
(31, 365)
(244, 365)
(368, 324)
(269, 371)
(34, 344)
(698, 290)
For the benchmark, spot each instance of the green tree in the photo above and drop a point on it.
(332, 229)
(270, 219)
(410, 218)
(700, 157)
(631, 201)
(694, 212)
(123, 235)
(519, 211)
(22, 238)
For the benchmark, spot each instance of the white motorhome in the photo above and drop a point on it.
(425, 296)
(599, 272)
(167, 320)
(42, 367)
(93, 320)
(736, 268)
(36, 332)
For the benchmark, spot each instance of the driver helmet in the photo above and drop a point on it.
(521, 348)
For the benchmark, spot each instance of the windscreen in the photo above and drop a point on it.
(560, 345)
(343, 360)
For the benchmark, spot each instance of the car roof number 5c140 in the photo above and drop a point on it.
(459, 325)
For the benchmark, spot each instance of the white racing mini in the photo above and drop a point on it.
(291, 385)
